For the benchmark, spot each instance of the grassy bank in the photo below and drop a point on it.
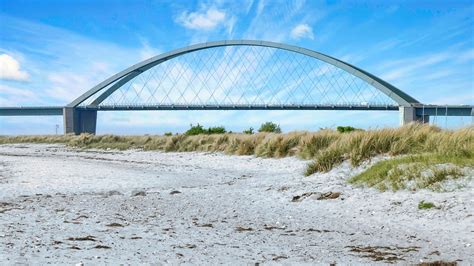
(414, 172)
(427, 146)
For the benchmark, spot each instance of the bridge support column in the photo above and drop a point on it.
(408, 115)
(79, 121)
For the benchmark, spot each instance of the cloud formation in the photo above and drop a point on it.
(302, 31)
(147, 51)
(11, 96)
(203, 20)
(10, 69)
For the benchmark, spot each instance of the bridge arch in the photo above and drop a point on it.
(106, 88)
(80, 116)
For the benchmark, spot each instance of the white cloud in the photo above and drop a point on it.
(249, 5)
(466, 56)
(61, 69)
(302, 31)
(230, 25)
(148, 51)
(402, 68)
(66, 85)
(260, 7)
(11, 96)
(10, 69)
(445, 73)
(202, 20)
(463, 98)
(270, 22)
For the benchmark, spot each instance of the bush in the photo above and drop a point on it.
(248, 131)
(168, 134)
(342, 129)
(216, 130)
(199, 130)
(195, 130)
(270, 127)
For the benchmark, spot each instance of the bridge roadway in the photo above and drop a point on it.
(426, 110)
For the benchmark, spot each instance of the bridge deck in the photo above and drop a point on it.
(31, 111)
(445, 110)
(429, 110)
(247, 107)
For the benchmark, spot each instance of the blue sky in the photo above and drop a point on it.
(52, 51)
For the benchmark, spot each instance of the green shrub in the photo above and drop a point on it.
(248, 131)
(270, 127)
(168, 134)
(199, 130)
(195, 130)
(342, 129)
(216, 130)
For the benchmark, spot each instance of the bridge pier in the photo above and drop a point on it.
(408, 115)
(79, 121)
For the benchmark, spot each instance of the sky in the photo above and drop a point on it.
(53, 51)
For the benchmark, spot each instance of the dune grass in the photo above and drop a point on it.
(414, 139)
(413, 172)
(427, 146)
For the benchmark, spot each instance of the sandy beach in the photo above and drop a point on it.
(62, 205)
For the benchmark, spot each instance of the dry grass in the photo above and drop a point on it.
(327, 148)
(413, 139)
(36, 139)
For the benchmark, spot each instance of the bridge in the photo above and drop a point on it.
(240, 75)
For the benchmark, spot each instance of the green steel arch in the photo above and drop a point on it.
(119, 79)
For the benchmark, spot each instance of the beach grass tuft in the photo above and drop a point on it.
(423, 205)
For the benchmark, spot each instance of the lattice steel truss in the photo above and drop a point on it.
(241, 76)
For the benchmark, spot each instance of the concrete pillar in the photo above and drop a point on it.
(79, 121)
(68, 120)
(409, 115)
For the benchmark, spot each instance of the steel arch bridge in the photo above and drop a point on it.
(240, 75)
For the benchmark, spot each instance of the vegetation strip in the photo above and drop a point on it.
(432, 154)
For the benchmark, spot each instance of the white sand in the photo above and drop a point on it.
(231, 208)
